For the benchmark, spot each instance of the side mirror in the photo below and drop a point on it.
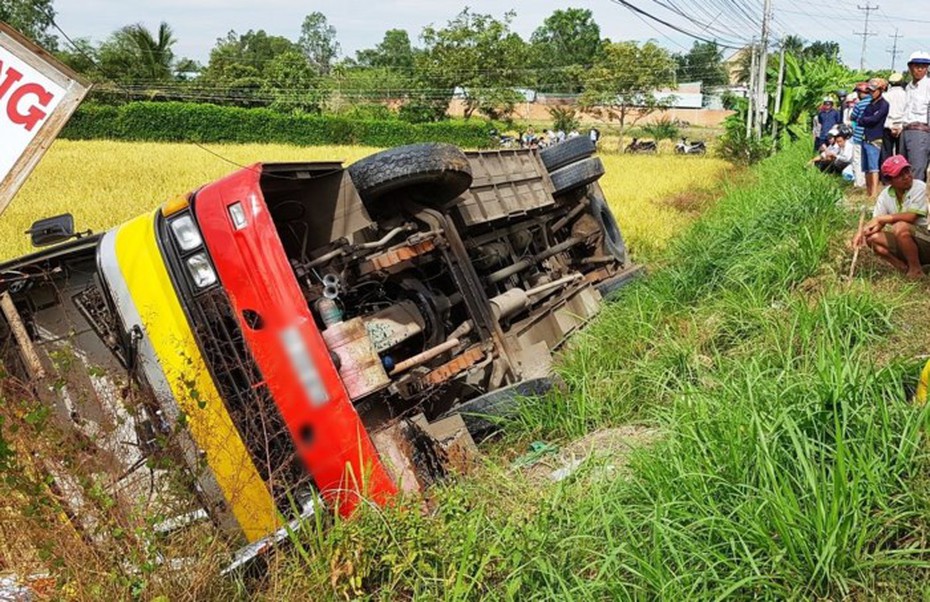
(52, 230)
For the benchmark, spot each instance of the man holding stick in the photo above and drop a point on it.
(897, 231)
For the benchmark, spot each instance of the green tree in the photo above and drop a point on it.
(394, 52)
(621, 85)
(806, 83)
(563, 48)
(32, 18)
(351, 83)
(793, 44)
(292, 83)
(248, 53)
(239, 65)
(480, 55)
(134, 54)
(318, 42)
(82, 59)
(703, 63)
(827, 50)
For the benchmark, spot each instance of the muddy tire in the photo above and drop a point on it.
(566, 153)
(610, 288)
(479, 414)
(614, 245)
(431, 174)
(577, 175)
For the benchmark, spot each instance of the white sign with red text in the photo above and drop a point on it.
(37, 96)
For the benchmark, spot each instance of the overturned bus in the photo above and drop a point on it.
(303, 332)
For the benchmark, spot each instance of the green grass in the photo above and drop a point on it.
(791, 464)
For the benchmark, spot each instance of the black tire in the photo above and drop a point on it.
(577, 175)
(614, 245)
(478, 414)
(565, 153)
(612, 286)
(427, 173)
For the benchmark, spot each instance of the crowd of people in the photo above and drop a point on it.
(882, 135)
(530, 139)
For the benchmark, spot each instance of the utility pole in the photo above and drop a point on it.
(751, 98)
(894, 49)
(866, 34)
(762, 101)
(778, 94)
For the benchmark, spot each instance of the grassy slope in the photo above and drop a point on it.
(791, 463)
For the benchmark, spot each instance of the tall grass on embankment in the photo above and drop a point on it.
(791, 464)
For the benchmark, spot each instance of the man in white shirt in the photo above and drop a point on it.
(838, 155)
(897, 231)
(894, 125)
(916, 136)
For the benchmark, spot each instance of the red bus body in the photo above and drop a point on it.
(252, 265)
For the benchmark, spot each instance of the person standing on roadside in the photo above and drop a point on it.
(915, 139)
(849, 103)
(872, 120)
(897, 101)
(826, 119)
(864, 100)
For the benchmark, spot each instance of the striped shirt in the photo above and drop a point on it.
(858, 130)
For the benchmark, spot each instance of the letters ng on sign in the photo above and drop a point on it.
(37, 95)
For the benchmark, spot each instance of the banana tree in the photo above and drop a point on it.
(806, 83)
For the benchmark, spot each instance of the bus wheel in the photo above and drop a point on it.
(430, 174)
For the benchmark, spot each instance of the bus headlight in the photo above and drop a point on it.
(186, 233)
(201, 271)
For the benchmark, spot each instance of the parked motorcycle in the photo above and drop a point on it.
(690, 148)
(642, 146)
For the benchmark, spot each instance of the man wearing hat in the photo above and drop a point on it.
(826, 118)
(897, 231)
(864, 97)
(915, 138)
(897, 100)
(872, 121)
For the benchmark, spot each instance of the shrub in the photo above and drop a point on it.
(564, 119)
(662, 129)
(736, 146)
(185, 122)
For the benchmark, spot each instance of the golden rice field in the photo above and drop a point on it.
(104, 183)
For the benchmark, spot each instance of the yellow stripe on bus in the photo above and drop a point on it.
(208, 421)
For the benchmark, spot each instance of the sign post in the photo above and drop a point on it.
(37, 96)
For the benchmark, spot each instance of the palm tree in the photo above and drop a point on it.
(133, 53)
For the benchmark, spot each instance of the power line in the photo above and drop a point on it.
(894, 49)
(730, 45)
(866, 34)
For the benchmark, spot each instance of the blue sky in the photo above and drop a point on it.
(361, 23)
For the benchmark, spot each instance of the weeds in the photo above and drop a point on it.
(791, 463)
